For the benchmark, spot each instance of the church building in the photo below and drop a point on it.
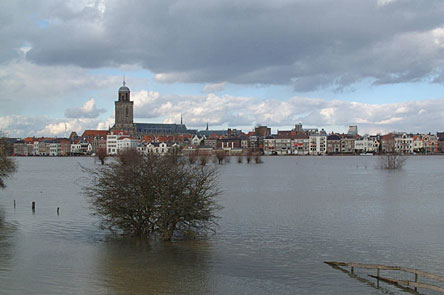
(124, 119)
(124, 111)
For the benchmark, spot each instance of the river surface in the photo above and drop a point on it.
(281, 220)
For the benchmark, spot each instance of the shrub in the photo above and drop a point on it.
(7, 165)
(154, 196)
(392, 161)
(220, 156)
(101, 155)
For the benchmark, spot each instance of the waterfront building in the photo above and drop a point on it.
(318, 144)
(126, 143)
(404, 144)
(270, 145)
(388, 143)
(55, 149)
(440, 136)
(367, 144)
(430, 143)
(111, 141)
(20, 148)
(97, 139)
(81, 148)
(301, 143)
(333, 144)
(418, 144)
(347, 144)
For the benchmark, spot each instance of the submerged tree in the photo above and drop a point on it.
(392, 161)
(101, 155)
(203, 159)
(220, 156)
(257, 158)
(7, 165)
(152, 195)
(249, 156)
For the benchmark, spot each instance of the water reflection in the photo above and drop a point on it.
(6, 243)
(134, 266)
(280, 221)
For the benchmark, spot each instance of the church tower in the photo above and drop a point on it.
(124, 113)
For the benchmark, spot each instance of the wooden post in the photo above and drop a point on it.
(352, 269)
(14, 204)
(377, 280)
(416, 280)
(58, 211)
(33, 206)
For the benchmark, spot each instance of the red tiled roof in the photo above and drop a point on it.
(95, 133)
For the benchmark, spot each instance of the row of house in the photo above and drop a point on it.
(321, 143)
(298, 141)
(87, 144)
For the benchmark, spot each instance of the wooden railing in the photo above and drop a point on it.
(378, 267)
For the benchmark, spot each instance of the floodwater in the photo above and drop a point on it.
(281, 220)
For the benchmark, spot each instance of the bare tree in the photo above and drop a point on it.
(249, 156)
(193, 156)
(257, 158)
(203, 159)
(7, 165)
(101, 155)
(392, 161)
(220, 156)
(154, 196)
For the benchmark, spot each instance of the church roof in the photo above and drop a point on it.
(124, 89)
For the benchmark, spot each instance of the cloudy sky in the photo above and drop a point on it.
(378, 64)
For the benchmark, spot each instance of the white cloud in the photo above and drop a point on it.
(385, 2)
(23, 126)
(235, 111)
(88, 110)
(226, 110)
(214, 87)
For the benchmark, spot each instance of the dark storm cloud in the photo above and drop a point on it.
(309, 44)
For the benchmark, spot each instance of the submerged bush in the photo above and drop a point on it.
(392, 161)
(7, 165)
(154, 196)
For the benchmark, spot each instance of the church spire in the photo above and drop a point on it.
(181, 123)
(207, 126)
(124, 80)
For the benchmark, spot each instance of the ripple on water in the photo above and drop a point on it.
(280, 221)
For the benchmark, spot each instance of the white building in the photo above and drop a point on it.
(55, 149)
(367, 144)
(111, 141)
(404, 144)
(196, 140)
(125, 143)
(35, 149)
(81, 148)
(157, 147)
(269, 145)
(300, 145)
(317, 144)
(283, 146)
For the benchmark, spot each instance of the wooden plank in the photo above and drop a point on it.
(410, 283)
(387, 267)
